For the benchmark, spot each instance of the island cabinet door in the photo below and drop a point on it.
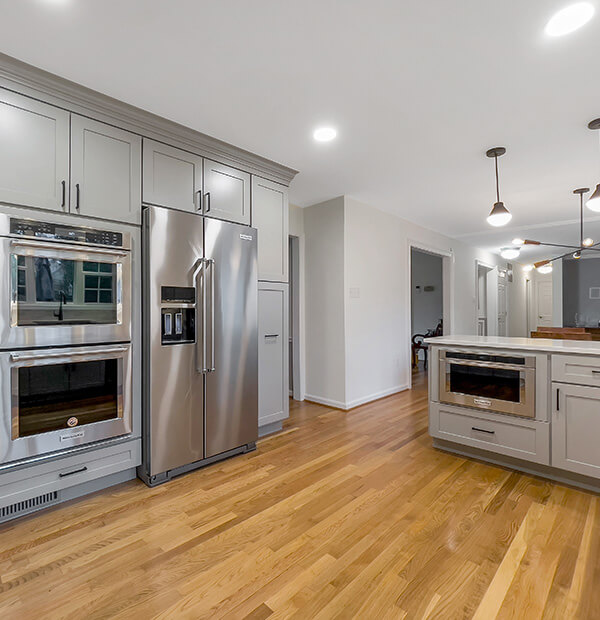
(106, 171)
(576, 429)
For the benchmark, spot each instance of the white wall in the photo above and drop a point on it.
(427, 306)
(517, 303)
(358, 347)
(324, 303)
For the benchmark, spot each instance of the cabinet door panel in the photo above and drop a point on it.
(228, 192)
(270, 213)
(273, 400)
(172, 177)
(106, 164)
(34, 153)
(576, 428)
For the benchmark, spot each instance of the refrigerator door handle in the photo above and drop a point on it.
(211, 261)
(200, 289)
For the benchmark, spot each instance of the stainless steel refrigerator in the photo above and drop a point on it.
(200, 356)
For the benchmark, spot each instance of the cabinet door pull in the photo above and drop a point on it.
(64, 194)
(557, 399)
(482, 430)
(70, 473)
(77, 196)
(199, 207)
(207, 199)
(271, 335)
(596, 372)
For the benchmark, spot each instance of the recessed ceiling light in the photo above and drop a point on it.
(509, 253)
(569, 19)
(324, 134)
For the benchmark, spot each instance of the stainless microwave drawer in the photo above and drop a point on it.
(516, 437)
(577, 369)
(20, 484)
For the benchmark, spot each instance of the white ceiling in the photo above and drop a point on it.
(417, 90)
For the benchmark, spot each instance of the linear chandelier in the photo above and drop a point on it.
(586, 244)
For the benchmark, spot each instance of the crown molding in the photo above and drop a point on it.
(28, 80)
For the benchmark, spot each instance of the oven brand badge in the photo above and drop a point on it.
(246, 237)
(482, 402)
(71, 422)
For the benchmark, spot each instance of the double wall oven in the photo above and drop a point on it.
(502, 383)
(65, 336)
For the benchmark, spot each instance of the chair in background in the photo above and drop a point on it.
(418, 343)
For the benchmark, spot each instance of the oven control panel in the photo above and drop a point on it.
(64, 232)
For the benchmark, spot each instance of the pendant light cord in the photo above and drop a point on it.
(497, 182)
(580, 220)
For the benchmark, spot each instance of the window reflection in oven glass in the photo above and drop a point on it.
(60, 396)
(54, 291)
(495, 383)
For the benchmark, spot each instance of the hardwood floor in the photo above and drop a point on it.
(342, 515)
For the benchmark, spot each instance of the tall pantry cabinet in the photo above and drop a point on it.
(270, 212)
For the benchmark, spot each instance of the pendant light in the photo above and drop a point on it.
(593, 202)
(499, 215)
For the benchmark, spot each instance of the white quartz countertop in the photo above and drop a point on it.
(586, 347)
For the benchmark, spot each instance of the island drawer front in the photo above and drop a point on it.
(523, 439)
(22, 484)
(577, 369)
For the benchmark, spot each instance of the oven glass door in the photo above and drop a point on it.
(61, 398)
(85, 291)
(486, 383)
(67, 394)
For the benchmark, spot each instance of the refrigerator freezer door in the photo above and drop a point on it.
(174, 389)
(232, 336)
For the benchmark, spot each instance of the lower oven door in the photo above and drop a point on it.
(57, 399)
(496, 387)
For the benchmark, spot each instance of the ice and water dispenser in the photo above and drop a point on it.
(178, 318)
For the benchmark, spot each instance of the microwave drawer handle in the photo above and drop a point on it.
(498, 365)
(71, 473)
(71, 248)
(19, 357)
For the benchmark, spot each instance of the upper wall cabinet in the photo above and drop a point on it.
(270, 215)
(172, 177)
(106, 175)
(34, 153)
(226, 193)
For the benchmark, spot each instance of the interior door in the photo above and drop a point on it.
(232, 340)
(34, 153)
(502, 305)
(544, 303)
(106, 171)
(172, 177)
(226, 192)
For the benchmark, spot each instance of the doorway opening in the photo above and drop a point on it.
(427, 303)
(295, 345)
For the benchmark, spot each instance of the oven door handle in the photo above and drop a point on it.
(21, 357)
(496, 365)
(88, 249)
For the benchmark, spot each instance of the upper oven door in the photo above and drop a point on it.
(57, 399)
(494, 386)
(54, 293)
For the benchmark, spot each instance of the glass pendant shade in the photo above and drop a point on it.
(500, 215)
(593, 203)
(545, 269)
(510, 253)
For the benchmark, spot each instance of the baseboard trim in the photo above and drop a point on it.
(357, 402)
(328, 402)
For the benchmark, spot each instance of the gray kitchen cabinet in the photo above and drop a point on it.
(270, 213)
(273, 390)
(34, 153)
(226, 193)
(106, 171)
(579, 369)
(576, 429)
(171, 177)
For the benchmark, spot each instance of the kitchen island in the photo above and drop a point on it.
(530, 404)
